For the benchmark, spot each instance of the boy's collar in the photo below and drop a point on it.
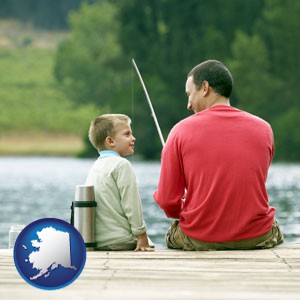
(106, 153)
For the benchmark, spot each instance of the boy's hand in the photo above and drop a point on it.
(142, 243)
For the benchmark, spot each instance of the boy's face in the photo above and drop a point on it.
(123, 140)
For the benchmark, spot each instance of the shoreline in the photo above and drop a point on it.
(41, 145)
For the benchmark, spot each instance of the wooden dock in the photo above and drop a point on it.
(170, 274)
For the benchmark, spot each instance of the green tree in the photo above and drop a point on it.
(47, 14)
(254, 86)
(287, 137)
(280, 29)
(89, 64)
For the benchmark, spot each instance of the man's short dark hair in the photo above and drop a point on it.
(216, 74)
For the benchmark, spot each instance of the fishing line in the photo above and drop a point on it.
(150, 104)
(132, 96)
(132, 106)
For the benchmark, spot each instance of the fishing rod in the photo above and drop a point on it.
(150, 104)
(153, 113)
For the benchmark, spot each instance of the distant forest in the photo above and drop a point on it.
(257, 39)
(46, 14)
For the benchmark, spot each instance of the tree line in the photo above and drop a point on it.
(44, 14)
(257, 39)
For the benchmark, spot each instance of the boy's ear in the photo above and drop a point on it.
(110, 141)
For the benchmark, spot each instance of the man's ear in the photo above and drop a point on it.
(109, 141)
(205, 86)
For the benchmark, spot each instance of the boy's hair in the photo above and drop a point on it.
(104, 126)
(216, 74)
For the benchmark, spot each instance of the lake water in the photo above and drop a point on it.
(43, 187)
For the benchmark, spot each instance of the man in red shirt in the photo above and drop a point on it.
(214, 171)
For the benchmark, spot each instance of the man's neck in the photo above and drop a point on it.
(217, 100)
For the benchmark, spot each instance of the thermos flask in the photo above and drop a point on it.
(83, 214)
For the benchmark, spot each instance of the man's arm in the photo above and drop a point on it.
(171, 184)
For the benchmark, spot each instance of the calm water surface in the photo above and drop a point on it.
(39, 187)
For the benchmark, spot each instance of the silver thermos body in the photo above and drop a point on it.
(84, 208)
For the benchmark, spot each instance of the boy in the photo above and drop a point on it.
(119, 222)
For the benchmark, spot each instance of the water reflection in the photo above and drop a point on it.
(284, 190)
(33, 188)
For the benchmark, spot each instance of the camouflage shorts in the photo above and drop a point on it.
(176, 239)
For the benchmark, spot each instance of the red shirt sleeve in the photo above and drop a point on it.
(171, 183)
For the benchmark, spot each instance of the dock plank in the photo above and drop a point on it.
(171, 274)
